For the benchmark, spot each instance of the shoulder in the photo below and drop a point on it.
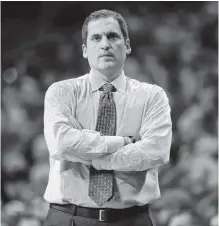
(66, 87)
(143, 86)
(151, 91)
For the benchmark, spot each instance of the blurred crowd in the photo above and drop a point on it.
(174, 45)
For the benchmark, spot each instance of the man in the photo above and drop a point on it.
(107, 135)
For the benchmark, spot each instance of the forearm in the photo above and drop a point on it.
(65, 141)
(140, 156)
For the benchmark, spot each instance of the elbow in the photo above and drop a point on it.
(165, 159)
(58, 142)
(57, 152)
(57, 149)
(61, 148)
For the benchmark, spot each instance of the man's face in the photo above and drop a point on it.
(106, 48)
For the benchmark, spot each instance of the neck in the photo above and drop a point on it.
(107, 75)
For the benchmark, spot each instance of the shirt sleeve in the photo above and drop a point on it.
(154, 147)
(65, 138)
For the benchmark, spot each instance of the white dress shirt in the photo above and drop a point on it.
(71, 108)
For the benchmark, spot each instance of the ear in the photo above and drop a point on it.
(84, 51)
(128, 47)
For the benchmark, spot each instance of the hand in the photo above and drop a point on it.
(127, 140)
(103, 162)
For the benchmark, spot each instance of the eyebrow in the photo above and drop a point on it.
(107, 34)
(113, 33)
(93, 35)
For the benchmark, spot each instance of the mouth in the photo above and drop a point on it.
(106, 55)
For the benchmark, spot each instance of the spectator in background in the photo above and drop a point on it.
(107, 135)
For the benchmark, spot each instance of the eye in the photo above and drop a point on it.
(96, 38)
(113, 36)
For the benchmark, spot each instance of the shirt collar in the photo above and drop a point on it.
(96, 81)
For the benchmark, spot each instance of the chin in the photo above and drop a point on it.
(108, 65)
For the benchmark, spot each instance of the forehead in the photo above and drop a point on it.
(103, 25)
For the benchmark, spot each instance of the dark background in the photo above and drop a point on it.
(174, 45)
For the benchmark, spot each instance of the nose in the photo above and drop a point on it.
(105, 43)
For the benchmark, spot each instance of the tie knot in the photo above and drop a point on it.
(108, 88)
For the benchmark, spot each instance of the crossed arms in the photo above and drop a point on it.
(66, 140)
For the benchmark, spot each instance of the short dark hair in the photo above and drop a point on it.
(104, 13)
